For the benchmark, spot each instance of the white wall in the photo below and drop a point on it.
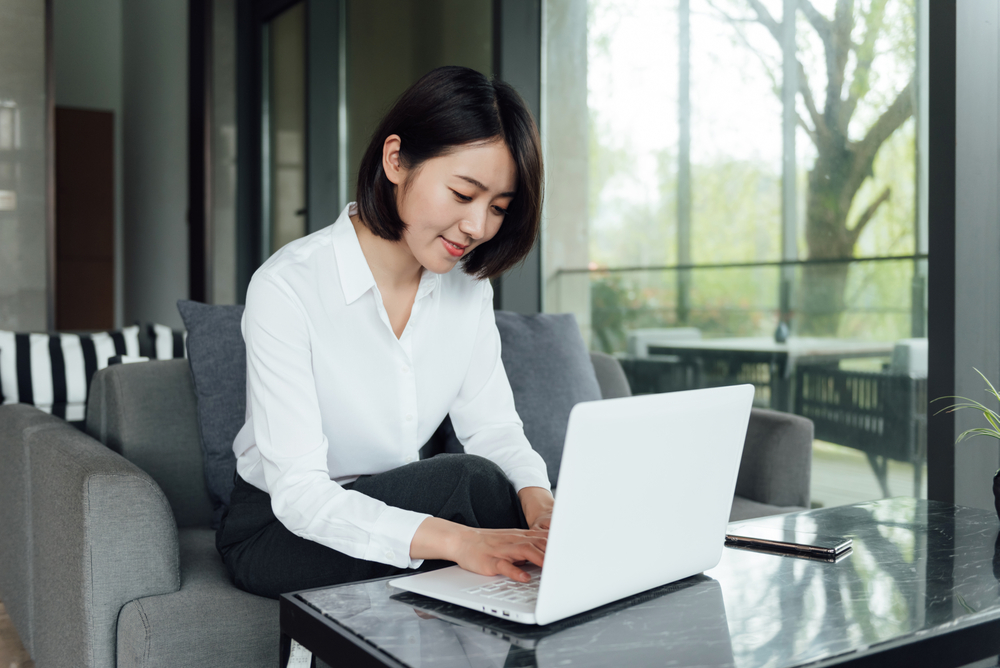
(154, 106)
(23, 279)
(87, 50)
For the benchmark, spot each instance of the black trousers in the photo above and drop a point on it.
(265, 558)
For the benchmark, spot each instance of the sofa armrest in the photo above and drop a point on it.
(148, 413)
(17, 422)
(104, 535)
(777, 459)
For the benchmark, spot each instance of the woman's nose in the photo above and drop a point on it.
(474, 225)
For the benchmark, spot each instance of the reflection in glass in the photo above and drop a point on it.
(9, 140)
(25, 289)
(285, 129)
(222, 286)
(682, 623)
(10, 126)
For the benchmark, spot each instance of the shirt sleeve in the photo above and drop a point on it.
(287, 427)
(483, 415)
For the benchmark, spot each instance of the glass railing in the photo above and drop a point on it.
(676, 328)
(872, 299)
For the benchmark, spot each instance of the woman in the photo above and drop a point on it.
(361, 339)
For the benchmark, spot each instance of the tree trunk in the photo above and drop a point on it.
(821, 293)
(822, 298)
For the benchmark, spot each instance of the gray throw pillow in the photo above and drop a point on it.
(550, 371)
(218, 359)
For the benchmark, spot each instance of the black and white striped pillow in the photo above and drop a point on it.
(53, 371)
(168, 344)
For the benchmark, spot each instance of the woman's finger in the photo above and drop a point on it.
(533, 554)
(524, 552)
(511, 571)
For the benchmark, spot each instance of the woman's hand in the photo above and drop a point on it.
(537, 504)
(483, 551)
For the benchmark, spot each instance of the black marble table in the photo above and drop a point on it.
(920, 588)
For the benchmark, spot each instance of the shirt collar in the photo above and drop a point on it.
(355, 275)
(428, 282)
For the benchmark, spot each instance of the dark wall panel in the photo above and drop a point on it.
(85, 232)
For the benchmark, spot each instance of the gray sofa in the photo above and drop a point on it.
(107, 558)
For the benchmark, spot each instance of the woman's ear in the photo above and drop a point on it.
(394, 170)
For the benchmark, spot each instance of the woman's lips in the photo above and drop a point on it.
(454, 249)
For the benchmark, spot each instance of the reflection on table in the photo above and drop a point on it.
(920, 571)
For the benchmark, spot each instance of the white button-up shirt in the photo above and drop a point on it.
(332, 394)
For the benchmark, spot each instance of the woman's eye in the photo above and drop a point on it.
(461, 197)
(500, 211)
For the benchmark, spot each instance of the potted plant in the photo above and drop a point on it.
(993, 431)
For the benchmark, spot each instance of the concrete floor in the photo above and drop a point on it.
(842, 475)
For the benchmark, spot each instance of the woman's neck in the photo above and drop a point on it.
(391, 262)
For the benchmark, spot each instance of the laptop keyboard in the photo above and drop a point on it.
(509, 591)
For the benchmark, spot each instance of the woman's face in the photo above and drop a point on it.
(453, 203)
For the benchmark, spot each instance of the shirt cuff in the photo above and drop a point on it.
(528, 476)
(391, 537)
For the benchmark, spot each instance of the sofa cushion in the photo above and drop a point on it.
(550, 371)
(165, 343)
(217, 355)
(53, 371)
(208, 622)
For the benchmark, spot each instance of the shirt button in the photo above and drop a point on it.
(409, 416)
(389, 554)
(405, 369)
(409, 460)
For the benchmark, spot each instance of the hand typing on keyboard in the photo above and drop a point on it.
(510, 590)
(483, 551)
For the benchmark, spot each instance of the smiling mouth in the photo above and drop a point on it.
(453, 248)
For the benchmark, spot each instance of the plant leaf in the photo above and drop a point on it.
(992, 389)
(977, 431)
(971, 403)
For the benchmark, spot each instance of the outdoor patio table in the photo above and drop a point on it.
(759, 360)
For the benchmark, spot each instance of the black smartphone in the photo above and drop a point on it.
(774, 539)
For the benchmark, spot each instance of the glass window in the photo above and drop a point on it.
(710, 225)
(285, 128)
(24, 284)
(222, 286)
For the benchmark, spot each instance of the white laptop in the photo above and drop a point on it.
(645, 489)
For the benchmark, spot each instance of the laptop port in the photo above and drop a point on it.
(493, 611)
(506, 614)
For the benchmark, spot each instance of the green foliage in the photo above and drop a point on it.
(992, 417)
(611, 312)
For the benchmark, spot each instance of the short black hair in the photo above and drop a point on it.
(447, 108)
